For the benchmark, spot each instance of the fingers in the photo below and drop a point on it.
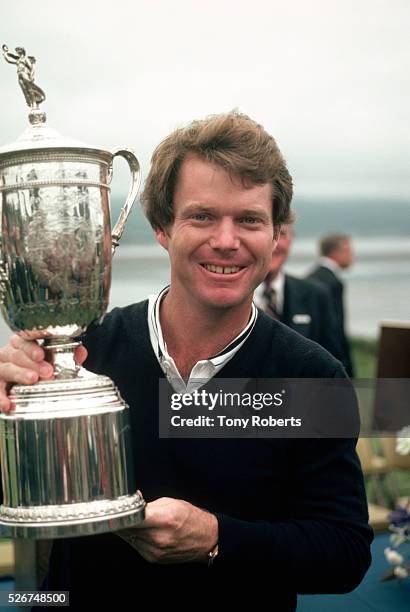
(5, 404)
(22, 353)
(21, 362)
(29, 347)
(11, 373)
(34, 334)
(35, 353)
(18, 372)
(80, 354)
(147, 550)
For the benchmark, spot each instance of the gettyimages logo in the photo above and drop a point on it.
(224, 399)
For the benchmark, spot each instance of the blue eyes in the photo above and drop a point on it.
(200, 217)
(250, 220)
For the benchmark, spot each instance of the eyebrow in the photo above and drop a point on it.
(195, 207)
(245, 212)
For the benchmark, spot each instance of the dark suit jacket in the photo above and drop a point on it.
(328, 279)
(308, 309)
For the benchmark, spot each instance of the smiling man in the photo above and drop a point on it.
(220, 244)
(276, 516)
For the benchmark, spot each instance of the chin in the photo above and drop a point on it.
(225, 300)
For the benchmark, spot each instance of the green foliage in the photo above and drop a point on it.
(364, 355)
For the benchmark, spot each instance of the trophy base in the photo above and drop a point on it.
(66, 455)
(71, 520)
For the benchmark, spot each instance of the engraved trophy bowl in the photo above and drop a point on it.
(65, 450)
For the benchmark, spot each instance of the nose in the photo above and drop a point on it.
(225, 236)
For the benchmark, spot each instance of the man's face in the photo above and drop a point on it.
(344, 255)
(221, 241)
(281, 253)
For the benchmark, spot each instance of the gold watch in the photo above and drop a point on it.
(212, 554)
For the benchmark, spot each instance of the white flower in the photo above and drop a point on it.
(400, 572)
(403, 441)
(398, 538)
(393, 557)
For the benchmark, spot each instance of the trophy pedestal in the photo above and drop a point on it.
(67, 460)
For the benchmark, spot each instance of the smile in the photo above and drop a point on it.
(222, 269)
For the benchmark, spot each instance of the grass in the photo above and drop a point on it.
(364, 356)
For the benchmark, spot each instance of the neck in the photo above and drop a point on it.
(192, 334)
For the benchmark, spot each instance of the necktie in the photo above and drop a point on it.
(269, 294)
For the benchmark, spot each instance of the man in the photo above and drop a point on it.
(244, 518)
(336, 255)
(298, 303)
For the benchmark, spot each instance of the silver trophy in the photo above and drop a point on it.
(65, 451)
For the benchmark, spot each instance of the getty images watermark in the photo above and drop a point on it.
(283, 408)
(208, 400)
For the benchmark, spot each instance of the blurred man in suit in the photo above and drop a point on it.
(336, 254)
(302, 305)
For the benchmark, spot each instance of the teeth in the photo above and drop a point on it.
(222, 270)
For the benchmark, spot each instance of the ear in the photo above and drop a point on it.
(276, 234)
(162, 237)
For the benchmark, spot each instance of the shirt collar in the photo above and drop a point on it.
(330, 264)
(203, 369)
(278, 284)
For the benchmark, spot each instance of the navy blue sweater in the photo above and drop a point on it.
(292, 514)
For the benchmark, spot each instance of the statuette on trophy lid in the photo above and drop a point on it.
(66, 449)
(33, 94)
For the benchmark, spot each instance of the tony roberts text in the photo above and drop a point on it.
(242, 423)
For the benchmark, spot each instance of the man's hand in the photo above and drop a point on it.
(23, 362)
(173, 531)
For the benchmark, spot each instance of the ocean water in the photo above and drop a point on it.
(377, 286)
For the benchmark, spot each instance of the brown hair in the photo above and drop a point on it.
(332, 242)
(233, 142)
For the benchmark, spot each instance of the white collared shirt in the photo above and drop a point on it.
(204, 369)
(278, 284)
(330, 264)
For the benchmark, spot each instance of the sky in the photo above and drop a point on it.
(328, 78)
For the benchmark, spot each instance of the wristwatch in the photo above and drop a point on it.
(212, 555)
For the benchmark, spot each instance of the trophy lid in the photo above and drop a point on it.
(41, 136)
(38, 136)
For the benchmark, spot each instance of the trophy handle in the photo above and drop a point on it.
(135, 184)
